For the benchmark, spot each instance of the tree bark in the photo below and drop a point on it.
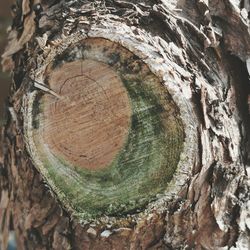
(196, 53)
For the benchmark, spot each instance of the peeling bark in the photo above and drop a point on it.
(200, 52)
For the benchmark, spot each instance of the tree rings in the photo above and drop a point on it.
(111, 140)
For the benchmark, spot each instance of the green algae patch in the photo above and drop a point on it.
(146, 162)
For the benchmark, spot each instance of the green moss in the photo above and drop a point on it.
(143, 167)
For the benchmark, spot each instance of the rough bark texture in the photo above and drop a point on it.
(202, 50)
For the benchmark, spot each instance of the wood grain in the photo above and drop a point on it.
(89, 124)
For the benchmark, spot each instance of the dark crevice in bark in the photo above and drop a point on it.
(50, 3)
(17, 23)
(152, 22)
(234, 231)
(197, 105)
(219, 180)
(242, 88)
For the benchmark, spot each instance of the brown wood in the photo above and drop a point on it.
(88, 125)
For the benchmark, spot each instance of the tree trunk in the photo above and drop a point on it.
(128, 125)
